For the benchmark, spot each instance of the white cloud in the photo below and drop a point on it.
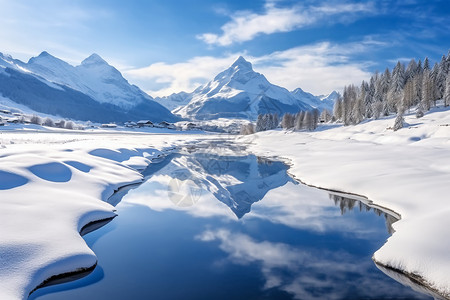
(318, 68)
(246, 25)
(183, 76)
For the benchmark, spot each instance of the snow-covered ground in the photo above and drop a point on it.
(51, 185)
(407, 171)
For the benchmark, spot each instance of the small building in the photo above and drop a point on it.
(165, 124)
(109, 125)
(145, 123)
(130, 124)
(191, 126)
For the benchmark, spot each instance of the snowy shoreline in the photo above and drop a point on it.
(54, 185)
(405, 171)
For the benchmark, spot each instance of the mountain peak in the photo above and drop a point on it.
(44, 58)
(242, 63)
(94, 59)
(44, 54)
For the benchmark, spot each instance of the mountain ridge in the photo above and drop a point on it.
(240, 92)
(50, 85)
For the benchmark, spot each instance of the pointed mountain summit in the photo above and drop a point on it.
(45, 62)
(239, 92)
(242, 64)
(94, 59)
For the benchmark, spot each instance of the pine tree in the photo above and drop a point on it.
(259, 123)
(417, 89)
(337, 109)
(399, 120)
(408, 95)
(397, 84)
(411, 70)
(359, 108)
(349, 98)
(426, 90)
(287, 122)
(447, 91)
(426, 64)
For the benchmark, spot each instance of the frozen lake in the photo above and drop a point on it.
(205, 226)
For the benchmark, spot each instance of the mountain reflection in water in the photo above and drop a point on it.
(205, 226)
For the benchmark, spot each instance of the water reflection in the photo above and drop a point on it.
(347, 204)
(237, 227)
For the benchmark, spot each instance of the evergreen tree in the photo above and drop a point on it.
(417, 89)
(287, 122)
(426, 64)
(337, 109)
(298, 122)
(397, 84)
(259, 123)
(411, 70)
(447, 91)
(359, 108)
(408, 95)
(399, 120)
(349, 98)
(427, 92)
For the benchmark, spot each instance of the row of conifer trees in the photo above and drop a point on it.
(415, 86)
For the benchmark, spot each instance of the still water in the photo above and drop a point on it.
(234, 227)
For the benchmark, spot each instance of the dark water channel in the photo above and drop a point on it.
(205, 226)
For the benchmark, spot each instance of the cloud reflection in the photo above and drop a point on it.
(306, 274)
(197, 187)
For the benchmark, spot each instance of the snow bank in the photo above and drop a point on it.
(51, 186)
(407, 171)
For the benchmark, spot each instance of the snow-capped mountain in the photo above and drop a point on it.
(94, 90)
(174, 101)
(236, 181)
(239, 92)
(319, 102)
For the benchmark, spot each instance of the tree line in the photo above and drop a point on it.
(395, 92)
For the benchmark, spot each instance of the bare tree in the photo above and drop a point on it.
(49, 122)
(36, 120)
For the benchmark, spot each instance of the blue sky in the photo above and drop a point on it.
(173, 45)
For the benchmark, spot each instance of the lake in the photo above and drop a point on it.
(210, 226)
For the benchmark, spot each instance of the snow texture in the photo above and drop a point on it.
(53, 184)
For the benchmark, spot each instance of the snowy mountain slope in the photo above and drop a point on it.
(319, 102)
(92, 91)
(174, 101)
(93, 77)
(239, 92)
